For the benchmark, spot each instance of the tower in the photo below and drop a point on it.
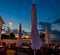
(20, 32)
(1, 24)
(36, 41)
(46, 36)
(19, 40)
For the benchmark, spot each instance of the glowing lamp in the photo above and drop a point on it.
(16, 36)
(10, 23)
(27, 37)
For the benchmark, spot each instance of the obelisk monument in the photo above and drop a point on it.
(20, 34)
(46, 36)
(35, 37)
(19, 40)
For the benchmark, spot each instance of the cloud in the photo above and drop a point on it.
(56, 32)
(52, 27)
(43, 26)
(55, 27)
(57, 21)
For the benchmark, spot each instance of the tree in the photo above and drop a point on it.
(42, 36)
(4, 36)
(11, 36)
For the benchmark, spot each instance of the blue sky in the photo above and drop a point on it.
(19, 11)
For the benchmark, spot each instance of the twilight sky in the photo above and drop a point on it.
(19, 11)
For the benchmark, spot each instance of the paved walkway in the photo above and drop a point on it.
(13, 52)
(20, 53)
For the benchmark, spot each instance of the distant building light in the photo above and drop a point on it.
(16, 36)
(3, 32)
(25, 37)
(59, 47)
(25, 47)
(53, 46)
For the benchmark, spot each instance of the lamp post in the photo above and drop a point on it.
(10, 24)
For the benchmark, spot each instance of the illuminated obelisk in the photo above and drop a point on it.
(1, 24)
(35, 37)
(47, 36)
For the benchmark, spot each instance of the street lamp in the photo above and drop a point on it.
(10, 23)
